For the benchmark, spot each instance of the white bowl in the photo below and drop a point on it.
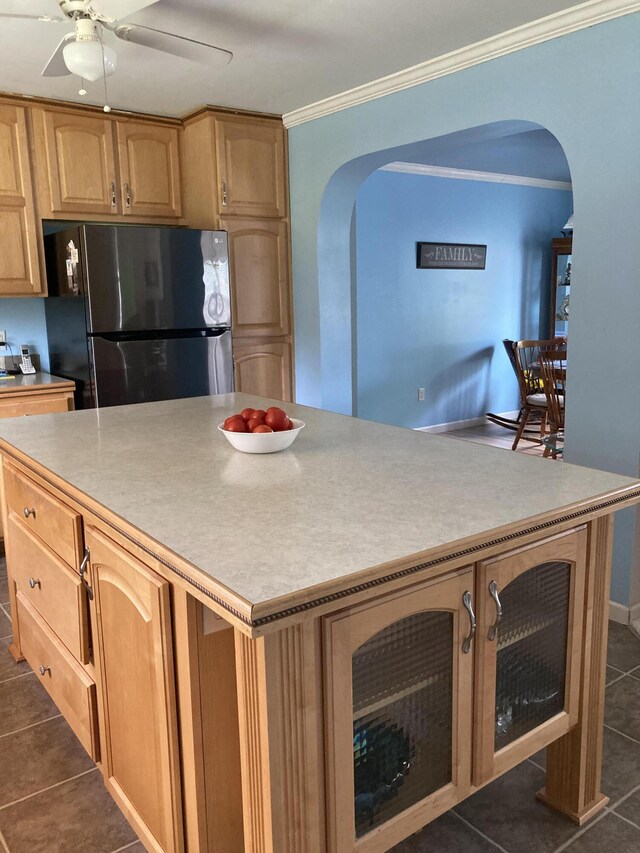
(262, 442)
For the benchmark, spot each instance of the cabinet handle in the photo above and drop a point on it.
(27, 512)
(83, 569)
(44, 669)
(127, 195)
(113, 193)
(466, 600)
(493, 592)
(35, 582)
(224, 194)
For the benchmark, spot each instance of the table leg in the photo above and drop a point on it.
(574, 761)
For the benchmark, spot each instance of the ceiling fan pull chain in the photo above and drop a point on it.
(106, 107)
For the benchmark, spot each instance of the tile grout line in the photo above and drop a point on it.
(6, 612)
(624, 797)
(621, 733)
(539, 766)
(478, 831)
(30, 726)
(13, 677)
(49, 788)
(3, 844)
(126, 846)
(626, 820)
(582, 830)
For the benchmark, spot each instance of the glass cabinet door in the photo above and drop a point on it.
(561, 260)
(530, 606)
(400, 680)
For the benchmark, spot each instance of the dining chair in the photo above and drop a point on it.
(553, 374)
(533, 400)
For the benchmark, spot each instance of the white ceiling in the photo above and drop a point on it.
(287, 53)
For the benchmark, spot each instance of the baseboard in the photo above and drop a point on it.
(624, 615)
(470, 422)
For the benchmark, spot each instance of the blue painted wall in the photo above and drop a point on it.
(443, 329)
(23, 320)
(583, 88)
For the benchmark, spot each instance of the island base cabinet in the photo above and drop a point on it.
(399, 693)
(137, 701)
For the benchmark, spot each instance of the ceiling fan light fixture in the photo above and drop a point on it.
(85, 58)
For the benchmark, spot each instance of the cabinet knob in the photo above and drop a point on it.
(44, 669)
(35, 582)
(27, 512)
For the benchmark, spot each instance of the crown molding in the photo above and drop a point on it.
(473, 175)
(551, 27)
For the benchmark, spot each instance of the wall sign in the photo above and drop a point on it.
(451, 256)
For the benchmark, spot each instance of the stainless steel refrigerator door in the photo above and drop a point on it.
(140, 279)
(144, 371)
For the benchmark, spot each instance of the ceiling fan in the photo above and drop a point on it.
(83, 51)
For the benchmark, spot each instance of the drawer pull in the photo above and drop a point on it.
(493, 592)
(44, 669)
(27, 512)
(35, 582)
(466, 600)
(83, 571)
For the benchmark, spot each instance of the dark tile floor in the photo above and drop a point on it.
(52, 799)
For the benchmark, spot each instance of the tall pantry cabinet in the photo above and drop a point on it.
(235, 179)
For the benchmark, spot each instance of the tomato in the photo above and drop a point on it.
(235, 424)
(262, 428)
(254, 422)
(290, 424)
(229, 419)
(277, 419)
(259, 413)
(246, 414)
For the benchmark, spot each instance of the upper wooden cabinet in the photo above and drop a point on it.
(251, 170)
(149, 169)
(19, 234)
(233, 166)
(80, 162)
(98, 167)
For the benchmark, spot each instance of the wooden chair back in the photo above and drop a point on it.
(527, 361)
(553, 374)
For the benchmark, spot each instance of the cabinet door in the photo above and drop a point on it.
(250, 156)
(263, 368)
(530, 604)
(19, 233)
(138, 706)
(259, 274)
(149, 169)
(80, 163)
(399, 682)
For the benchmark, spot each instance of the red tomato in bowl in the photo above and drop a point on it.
(277, 419)
(262, 428)
(254, 422)
(259, 413)
(247, 414)
(235, 424)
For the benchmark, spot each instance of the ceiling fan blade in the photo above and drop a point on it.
(47, 19)
(116, 10)
(55, 67)
(187, 48)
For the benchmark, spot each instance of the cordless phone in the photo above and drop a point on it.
(25, 360)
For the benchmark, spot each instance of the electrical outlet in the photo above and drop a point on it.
(421, 395)
(3, 338)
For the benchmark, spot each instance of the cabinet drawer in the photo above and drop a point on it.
(51, 586)
(64, 679)
(55, 523)
(33, 406)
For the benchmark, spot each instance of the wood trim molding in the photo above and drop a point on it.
(66, 106)
(535, 32)
(472, 175)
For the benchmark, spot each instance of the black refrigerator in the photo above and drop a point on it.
(138, 314)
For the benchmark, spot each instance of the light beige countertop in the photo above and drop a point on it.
(348, 496)
(31, 382)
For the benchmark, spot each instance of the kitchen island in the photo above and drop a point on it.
(319, 649)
